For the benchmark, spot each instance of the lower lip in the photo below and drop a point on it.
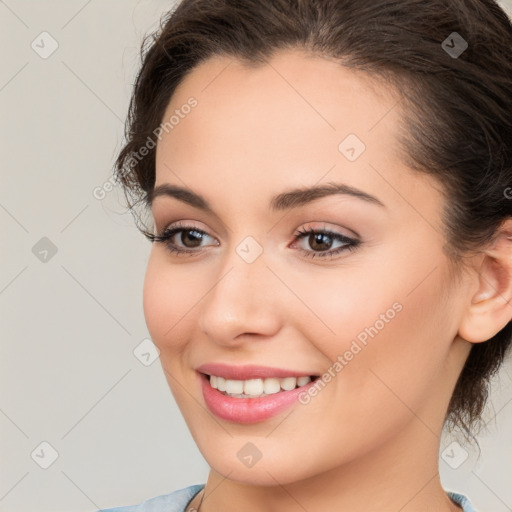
(248, 410)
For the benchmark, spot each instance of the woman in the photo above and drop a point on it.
(329, 189)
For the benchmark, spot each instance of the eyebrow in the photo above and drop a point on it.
(284, 201)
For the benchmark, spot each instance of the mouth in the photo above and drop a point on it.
(258, 387)
(251, 393)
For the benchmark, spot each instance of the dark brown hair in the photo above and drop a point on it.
(457, 109)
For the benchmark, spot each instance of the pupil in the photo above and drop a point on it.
(194, 238)
(321, 239)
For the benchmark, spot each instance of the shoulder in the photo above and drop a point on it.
(175, 501)
(463, 501)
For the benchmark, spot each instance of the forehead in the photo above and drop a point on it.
(293, 85)
(285, 119)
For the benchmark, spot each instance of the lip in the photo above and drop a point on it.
(248, 410)
(248, 371)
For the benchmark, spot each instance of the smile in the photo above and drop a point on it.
(254, 388)
(250, 394)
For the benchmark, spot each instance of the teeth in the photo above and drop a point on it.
(234, 386)
(289, 383)
(252, 388)
(301, 381)
(271, 385)
(221, 383)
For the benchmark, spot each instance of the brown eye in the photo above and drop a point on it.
(188, 242)
(321, 241)
(191, 241)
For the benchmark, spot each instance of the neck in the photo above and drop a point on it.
(402, 475)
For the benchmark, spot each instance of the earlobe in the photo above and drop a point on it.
(490, 307)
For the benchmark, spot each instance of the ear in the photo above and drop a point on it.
(489, 309)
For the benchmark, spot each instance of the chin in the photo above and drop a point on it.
(276, 470)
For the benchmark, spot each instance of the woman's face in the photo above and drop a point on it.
(380, 317)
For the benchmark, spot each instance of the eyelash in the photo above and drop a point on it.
(350, 243)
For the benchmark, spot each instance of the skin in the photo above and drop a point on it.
(369, 441)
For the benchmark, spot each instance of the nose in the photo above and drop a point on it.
(243, 299)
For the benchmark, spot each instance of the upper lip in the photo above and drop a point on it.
(248, 371)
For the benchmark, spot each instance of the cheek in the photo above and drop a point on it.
(339, 306)
(377, 317)
(167, 296)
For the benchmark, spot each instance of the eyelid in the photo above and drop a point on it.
(189, 223)
(327, 227)
(181, 226)
(169, 232)
(166, 215)
(349, 244)
(184, 224)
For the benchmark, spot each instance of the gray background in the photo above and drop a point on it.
(70, 321)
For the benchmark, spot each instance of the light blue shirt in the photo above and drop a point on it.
(177, 501)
